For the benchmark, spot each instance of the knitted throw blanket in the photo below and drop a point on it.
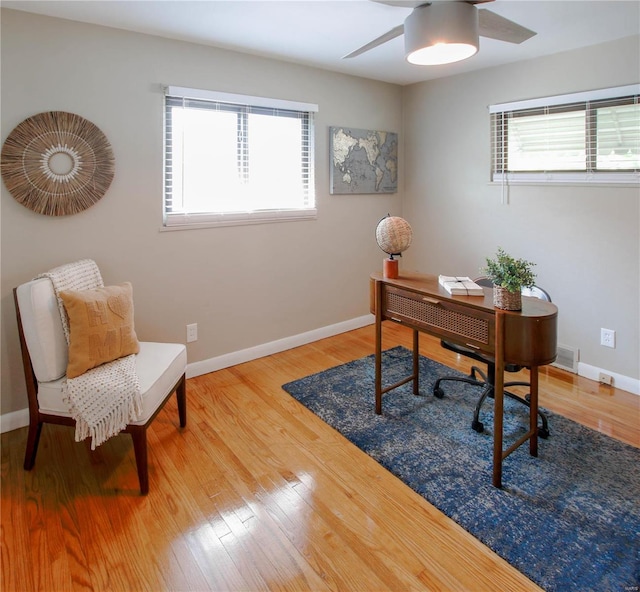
(104, 399)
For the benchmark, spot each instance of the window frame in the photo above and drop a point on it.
(178, 220)
(588, 101)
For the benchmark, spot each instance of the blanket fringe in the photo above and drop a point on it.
(108, 426)
(115, 401)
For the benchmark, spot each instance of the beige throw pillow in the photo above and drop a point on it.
(100, 326)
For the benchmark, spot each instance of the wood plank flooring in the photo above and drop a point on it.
(256, 493)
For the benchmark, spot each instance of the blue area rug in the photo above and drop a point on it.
(568, 519)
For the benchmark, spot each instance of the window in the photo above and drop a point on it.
(584, 137)
(234, 159)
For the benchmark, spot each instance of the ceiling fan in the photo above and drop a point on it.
(446, 31)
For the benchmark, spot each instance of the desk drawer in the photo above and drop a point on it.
(442, 318)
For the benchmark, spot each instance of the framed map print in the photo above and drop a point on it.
(363, 161)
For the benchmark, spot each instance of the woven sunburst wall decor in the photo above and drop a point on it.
(57, 163)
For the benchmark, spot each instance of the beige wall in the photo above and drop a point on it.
(584, 240)
(244, 286)
(247, 286)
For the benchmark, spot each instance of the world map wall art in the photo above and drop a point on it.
(363, 161)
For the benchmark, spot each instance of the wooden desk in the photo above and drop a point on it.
(527, 338)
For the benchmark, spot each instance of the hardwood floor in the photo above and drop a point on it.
(256, 493)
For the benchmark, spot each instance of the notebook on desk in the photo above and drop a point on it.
(460, 285)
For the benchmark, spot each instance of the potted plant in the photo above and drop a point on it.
(509, 276)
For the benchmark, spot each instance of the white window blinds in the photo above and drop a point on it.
(236, 159)
(592, 136)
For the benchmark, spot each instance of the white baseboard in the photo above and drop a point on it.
(19, 419)
(14, 420)
(626, 383)
(273, 347)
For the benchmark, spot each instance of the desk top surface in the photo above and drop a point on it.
(428, 284)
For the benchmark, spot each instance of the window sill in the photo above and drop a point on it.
(196, 221)
(577, 179)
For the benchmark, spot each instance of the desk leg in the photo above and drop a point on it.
(533, 411)
(378, 305)
(498, 401)
(416, 362)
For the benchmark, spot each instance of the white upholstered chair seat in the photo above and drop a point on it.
(158, 366)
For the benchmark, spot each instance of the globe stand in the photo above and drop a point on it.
(390, 268)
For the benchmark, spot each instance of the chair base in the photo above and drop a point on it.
(138, 434)
(488, 391)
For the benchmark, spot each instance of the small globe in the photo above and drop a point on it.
(393, 235)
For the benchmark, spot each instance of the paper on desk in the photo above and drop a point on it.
(460, 285)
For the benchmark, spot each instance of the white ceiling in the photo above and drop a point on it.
(319, 32)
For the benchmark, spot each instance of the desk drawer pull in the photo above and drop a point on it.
(431, 300)
(396, 319)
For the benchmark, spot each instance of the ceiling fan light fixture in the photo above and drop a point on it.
(441, 53)
(441, 33)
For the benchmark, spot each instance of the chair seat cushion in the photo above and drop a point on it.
(155, 384)
(477, 355)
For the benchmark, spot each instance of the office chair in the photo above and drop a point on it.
(487, 379)
(159, 367)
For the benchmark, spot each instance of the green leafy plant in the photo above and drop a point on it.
(512, 274)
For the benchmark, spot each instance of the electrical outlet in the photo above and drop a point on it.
(192, 332)
(607, 337)
(605, 378)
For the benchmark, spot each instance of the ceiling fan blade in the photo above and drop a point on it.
(495, 26)
(388, 36)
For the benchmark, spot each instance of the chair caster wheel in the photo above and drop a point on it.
(543, 433)
(438, 393)
(478, 426)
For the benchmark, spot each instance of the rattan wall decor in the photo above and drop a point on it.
(57, 163)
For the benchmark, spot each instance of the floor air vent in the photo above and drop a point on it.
(567, 358)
